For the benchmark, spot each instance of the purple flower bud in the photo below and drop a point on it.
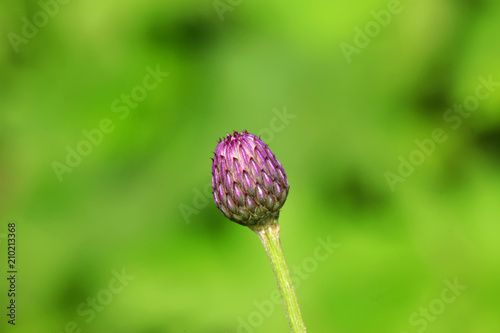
(248, 182)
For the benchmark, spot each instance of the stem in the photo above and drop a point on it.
(269, 235)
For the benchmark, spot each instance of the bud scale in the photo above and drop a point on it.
(249, 184)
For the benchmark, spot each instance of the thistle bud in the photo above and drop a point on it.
(249, 184)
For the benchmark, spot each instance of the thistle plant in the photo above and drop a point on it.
(250, 186)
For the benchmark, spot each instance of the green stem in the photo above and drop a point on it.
(269, 235)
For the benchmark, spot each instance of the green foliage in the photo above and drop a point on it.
(98, 182)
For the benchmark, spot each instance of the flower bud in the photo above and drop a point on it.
(249, 184)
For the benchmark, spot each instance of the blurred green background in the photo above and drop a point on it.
(134, 202)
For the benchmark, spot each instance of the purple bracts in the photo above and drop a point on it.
(248, 182)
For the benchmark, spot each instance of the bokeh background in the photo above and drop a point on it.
(139, 201)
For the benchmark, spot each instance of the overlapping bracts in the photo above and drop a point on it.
(249, 184)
